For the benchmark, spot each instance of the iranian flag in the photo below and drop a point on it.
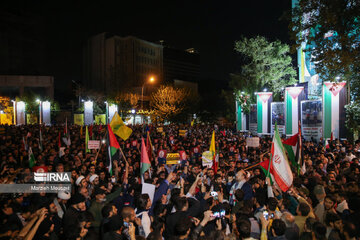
(292, 109)
(113, 150)
(279, 166)
(333, 109)
(263, 111)
(145, 162)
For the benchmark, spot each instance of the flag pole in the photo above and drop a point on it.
(97, 153)
(252, 166)
(271, 157)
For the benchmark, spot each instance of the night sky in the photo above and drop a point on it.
(211, 27)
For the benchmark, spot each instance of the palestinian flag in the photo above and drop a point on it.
(265, 168)
(334, 99)
(149, 147)
(31, 158)
(279, 166)
(293, 96)
(145, 162)
(113, 149)
(291, 146)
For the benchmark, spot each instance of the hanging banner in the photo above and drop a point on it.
(292, 109)
(88, 113)
(112, 110)
(253, 119)
(46, 110)
(263, 107)
(334, 100)
(311, 119)
(100, 119)
(240, 118)
(278, 116)
(20, 113)
(79, 119)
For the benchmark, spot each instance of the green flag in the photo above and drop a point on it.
(31, 158)
(86, 140)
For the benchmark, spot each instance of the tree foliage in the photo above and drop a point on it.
(169, 102)
(353, 117)
(267, 65)
(332, 31)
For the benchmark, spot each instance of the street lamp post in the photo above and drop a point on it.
(151, 80)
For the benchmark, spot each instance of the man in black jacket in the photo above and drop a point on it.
(71, 215)
(182, 211)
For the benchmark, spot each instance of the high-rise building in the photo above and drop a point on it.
(112, 63)
(181, 65)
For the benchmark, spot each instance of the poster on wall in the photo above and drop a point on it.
(31, 119)
(278, 116)
(79, 119)
(100, 119)
(311, 119)
(253, 119)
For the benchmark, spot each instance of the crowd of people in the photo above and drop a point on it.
(235, 201)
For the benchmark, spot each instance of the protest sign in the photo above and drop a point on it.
(94, 144)
(172, 158)
(149, 189)
(207, 159)
(253, 142)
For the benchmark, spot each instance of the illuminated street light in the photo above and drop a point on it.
(265, 90)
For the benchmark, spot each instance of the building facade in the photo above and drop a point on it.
(112, 63)
(17, 85)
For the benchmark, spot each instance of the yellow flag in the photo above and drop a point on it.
(192, 122)
(119, 128)
(212, 144)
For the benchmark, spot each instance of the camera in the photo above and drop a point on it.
(214, 195)
(266, 215)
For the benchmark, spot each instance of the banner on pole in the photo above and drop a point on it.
(263, 107)
(311, 119)
(293, 96)
(334, 100)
